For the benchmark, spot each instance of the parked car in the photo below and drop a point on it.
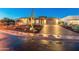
(75, 28)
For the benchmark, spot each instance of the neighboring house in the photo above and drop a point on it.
(71, 20)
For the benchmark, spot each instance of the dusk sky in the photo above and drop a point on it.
(49, 12)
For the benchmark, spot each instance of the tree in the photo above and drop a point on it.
(8, 21)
